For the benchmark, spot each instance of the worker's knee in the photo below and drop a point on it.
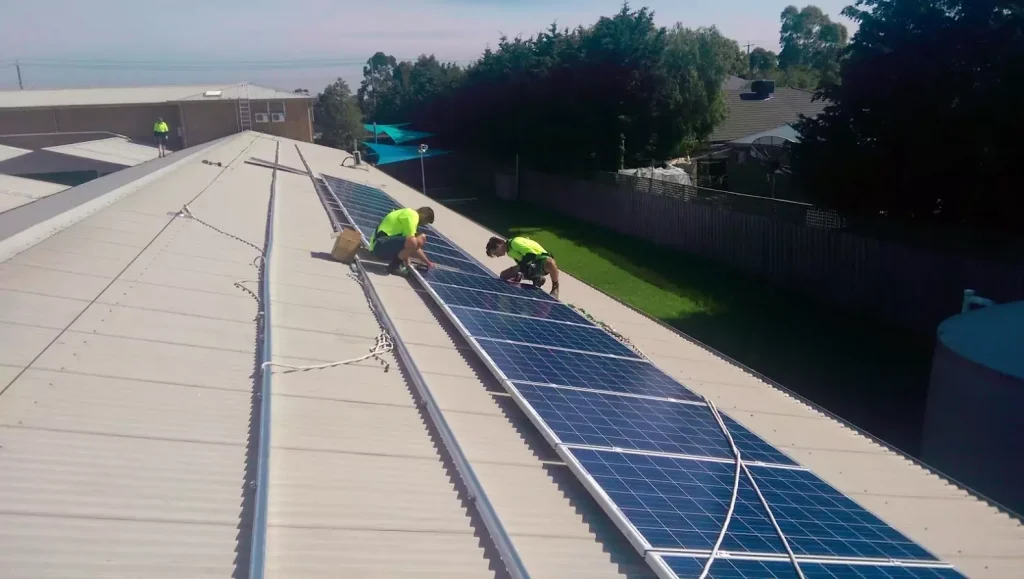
(550, 265)
(415, 241)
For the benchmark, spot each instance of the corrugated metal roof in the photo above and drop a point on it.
(129, 358)
(77, 97)
(17, 191)
(112, 150)
(748, 115)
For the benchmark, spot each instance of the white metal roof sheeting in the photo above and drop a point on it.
(358, 487)
(17, 191)
(112, 150)
(124, 412)
(135, 95)
(8, 152)
(958, 527)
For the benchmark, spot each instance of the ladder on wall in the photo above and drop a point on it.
(244, 115)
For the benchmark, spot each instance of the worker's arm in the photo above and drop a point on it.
(551, 268)
(418, 242)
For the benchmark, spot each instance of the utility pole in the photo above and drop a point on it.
(17, 66)
(750, 65)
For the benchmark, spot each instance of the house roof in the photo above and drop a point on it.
(18, 191)
(120, 151)
(783, 132)
(748, 116)
(126, 364)
(76, 97)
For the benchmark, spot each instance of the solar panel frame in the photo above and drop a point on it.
(675, 566)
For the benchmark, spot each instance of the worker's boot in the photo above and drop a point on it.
(538, 282)
(396, 267)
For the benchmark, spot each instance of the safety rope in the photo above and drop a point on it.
(382, 344)
(742, 465)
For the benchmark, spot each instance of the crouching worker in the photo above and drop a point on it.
(396, 239)
(532, 261)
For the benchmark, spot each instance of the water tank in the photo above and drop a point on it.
(973, 429)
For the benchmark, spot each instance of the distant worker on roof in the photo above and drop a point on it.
(532, 261)
(160, 131)
(396, 239)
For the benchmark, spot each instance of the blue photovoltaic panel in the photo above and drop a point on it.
(547, 366)
(679, 503)
(545, 310)
(459, 264)
(626, 422)
(686, 567)
(439, 249)
(540, 332)
(491, 284)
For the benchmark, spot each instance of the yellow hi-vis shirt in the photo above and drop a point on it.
(399, 222)
(519, 247)
(160, 127)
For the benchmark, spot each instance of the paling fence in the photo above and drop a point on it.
(794, 245)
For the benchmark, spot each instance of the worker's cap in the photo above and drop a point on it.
(492, 245)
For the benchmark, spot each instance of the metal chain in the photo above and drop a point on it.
(187, 214)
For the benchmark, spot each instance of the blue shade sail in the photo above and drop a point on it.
(679, 503)
(547, 366)
(630, 423)
(541, 332)
(387, 154)
(686, 567)
(491, 284)
(399, 135)
(544, 310)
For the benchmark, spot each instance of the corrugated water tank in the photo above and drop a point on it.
(974, 426)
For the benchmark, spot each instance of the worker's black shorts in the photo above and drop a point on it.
(160, 136)
(532, 265)
(387, 247)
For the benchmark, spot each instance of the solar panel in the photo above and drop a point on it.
(460, 264)
(542, 365)
(685, 566)
(545, 310)
(679, 503)
(438, 249)
(492, 284)
(626, 422)
(540, 332)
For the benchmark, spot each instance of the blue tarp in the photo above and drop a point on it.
(395, 154)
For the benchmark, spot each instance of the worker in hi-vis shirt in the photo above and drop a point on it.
(396, 238)
(532, 261)
(160, 131)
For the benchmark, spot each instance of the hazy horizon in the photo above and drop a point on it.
(311, 30)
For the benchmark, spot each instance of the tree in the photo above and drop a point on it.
(763, 63)
(378, 78)
(337, 117)
(926, 123)
(811, 40)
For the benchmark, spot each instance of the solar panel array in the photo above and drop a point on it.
(648, 448)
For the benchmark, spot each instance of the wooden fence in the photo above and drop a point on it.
(794, 245)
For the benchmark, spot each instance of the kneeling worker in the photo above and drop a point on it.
(396, 239)
(532, 261)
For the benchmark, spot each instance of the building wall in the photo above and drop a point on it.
(200, 121)
(133, 121)
(206, 121)
(296, 125)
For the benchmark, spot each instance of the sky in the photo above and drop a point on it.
(202, 33)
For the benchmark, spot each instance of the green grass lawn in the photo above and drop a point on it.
(872, 374)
